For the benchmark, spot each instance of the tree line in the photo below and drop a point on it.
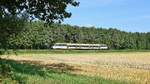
(37, 35)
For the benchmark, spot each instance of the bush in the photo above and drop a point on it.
(5, 69)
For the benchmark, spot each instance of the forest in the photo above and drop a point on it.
(37, 35)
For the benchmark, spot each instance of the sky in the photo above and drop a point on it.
(126, 15)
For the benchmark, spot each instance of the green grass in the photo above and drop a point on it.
(32, 73)
(62, 78)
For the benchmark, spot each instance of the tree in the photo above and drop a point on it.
(12, 12)
(12, 21)
(46, 10)
(10, 26)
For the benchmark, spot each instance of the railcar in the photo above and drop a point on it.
(80, 46)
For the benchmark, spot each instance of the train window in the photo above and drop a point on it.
(72, 46)
(60, 45)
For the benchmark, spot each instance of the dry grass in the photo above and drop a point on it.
(132, 66)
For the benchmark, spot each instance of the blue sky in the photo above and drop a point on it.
(127, 15)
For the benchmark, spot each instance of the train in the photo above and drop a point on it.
(80, 46)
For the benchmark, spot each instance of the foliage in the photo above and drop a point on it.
(37, 36)
(14, 13)
(8, 26)
(45, 10)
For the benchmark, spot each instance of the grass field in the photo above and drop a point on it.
(76, 67)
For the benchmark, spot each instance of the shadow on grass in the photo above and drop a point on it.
(36, 68)
(31, 68)
(16, 70)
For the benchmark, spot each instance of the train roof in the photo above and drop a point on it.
(80, 44)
